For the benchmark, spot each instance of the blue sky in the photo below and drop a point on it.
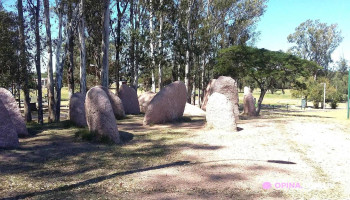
(283, 16)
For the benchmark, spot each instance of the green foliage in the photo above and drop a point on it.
(9, 71)
(315, 41)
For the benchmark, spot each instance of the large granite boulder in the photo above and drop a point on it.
(99, 114)
(145, 99)
(77, 109)
(14, 112)
(220, 114)
(128, 96)
(116, 102)
(8, 132)
(207, 93)
(227, 86)
(248, 103)
(167, 105)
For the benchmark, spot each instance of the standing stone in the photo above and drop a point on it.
(227, 86)
(128, 96)
(8, 133)
(99, 114)
(116, 102)
(77, 109)
(167, 105)
(220, 113)
(207, 93)
(248, 102)
(14, 112)
(144, 100)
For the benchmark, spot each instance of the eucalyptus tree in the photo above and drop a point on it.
(34, 10)
(51, 95)
(315, 41)
(116, 34)
(105, 43)
(81, 32)
(23, 62)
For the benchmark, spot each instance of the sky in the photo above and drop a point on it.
(283, 16)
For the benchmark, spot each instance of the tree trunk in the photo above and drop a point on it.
(262, 94)
(105, 44)
(59, 66)
(81, 29)
(70, 35)
(188, 51)
(37, 63)
(50, 82)
(132, 44)
(23, 63)
(160, 67)
(203, 86)
(151, 45)
(137, 52)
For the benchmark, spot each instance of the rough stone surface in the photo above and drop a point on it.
(116, 102)
(192, 110)
(248, 102)
(207, 93)
(227, 86)
(129, 98)
(14, 112)
(168, 104)
(145, 99)
(77, 109)
(220, 114)
(8, 133)
(99, 114)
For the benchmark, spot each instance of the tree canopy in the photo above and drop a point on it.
(263, 66)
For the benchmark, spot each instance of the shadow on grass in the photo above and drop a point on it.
(97, 180)
(117, 174)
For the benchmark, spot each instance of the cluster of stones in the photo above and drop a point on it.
(12, 123)
(221, 104)
(97, 110)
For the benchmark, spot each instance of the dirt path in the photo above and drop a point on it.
(303, 158)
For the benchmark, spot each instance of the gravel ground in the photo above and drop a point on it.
(302, 158)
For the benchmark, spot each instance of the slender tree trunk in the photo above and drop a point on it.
(51, 96)
(81, 29)
(160, 67)
(105, 44)
(23, 63)
(137, 52)
(70, 71)
(152, 47)
(262, 94)
(132, 43)
(203, 77)
(188, 52)
(118, 45)
(37, 63)
(59, 66)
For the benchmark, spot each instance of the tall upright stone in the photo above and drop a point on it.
(14, 112)
(116, 102)
(167, 105)
(144, 100)
(99, 114)
(8, 133)
(248, 102)
(77, 109)
(220, 113)
(207, 93)
(128, 96)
